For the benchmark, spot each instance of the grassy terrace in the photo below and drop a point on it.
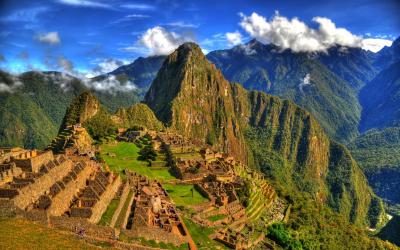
(182, 194)
(126, 158)
(201, 235)
(122, 214)
(23, 234)
(108, 214)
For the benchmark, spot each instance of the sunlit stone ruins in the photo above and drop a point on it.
(68, 188)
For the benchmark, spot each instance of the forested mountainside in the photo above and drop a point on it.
(378, 153)
(300, 77)
(282, 139)
(380, 100)
(33, 109)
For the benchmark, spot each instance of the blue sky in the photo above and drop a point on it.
(94, 36)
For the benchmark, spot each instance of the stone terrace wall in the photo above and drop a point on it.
(33, 164)
(154, 233)
(61, 202)
(122, 200)
(100, 207)
(29, 194)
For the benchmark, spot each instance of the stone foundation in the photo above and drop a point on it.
(61, 202)
(31, 193)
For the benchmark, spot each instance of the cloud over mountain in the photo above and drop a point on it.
(375, 44)
(51, 38)
(296, 35)
(234, 38)
(160, 41)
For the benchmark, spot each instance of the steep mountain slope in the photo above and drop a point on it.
(300, 77)
(388, 55)
(141, 72)
(34, 105)
(354, 65)
(380, 100)
(192, 98)
(378, 153)
(137, 115)
(292, 149)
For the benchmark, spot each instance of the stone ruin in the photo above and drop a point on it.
(33, 181)
(153, 215)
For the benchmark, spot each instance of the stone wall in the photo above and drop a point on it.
(156, 234)
(7, 208)
(34, 164)
(122, 200)
(29, 194)
(100, 207)
(61, 202)
(128, 212)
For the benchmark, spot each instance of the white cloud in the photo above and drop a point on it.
(305, 82)
(159, 41)
(105, 66)
(86, 3)
(130, 17)
(138, 6)
(375, 44)
(25, 15)
(16, 83)
(181, 24)
(296, 35)
(49, 38)
(234, 38)
(65, 64)
(110, 84)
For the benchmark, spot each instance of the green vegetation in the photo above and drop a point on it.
(101, 125)
(24, 235)
(216, 217)
(182, 194)
(200, 236)
(126, 157)
(378, 153)
(122, 214)
(33, 113)
(377, 149)
(138, 115)
(153, 243)
(329, 98)
(279, 233)
(147, 153)
(380, 100)
(108, 214)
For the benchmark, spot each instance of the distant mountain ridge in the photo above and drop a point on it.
(300, 77)
(32, 113)
(381, 99)
(140, 72)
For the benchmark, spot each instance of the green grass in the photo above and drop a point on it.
(108, 214)
(25, 235)
(182, 194)
(200, 236)
(126, 158)
(122, 214)
(216, 217)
